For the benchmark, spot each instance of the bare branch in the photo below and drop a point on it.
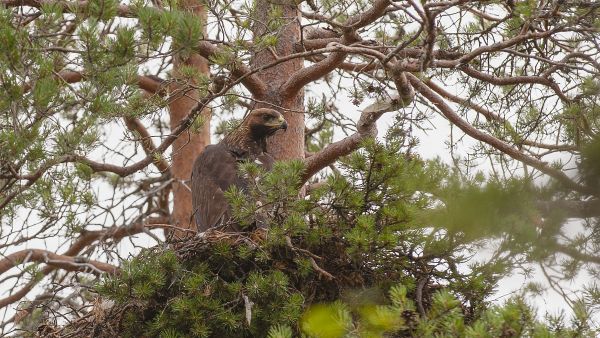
(307, 75)
(334, 151)
(502, 146)
(366, 128)
(367, 17)
(504, 44)
(64, 262)
(491, 116)
(514, 80)
(240, 71)
(145, 139)
(116, 234)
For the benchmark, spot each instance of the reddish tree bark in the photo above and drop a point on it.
(189, 144)
(288, 145)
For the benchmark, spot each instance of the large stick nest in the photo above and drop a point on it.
(333, 271)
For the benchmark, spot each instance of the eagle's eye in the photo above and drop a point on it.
(266, 117)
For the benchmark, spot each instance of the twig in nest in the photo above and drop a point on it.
(288, 241)
(169, 226)
(248, 306)
(311, 258)
(420, 287)
(321, 271)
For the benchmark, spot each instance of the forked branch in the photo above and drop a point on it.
(304, 76)
(365, 128)
(87, 238)
(498, 144)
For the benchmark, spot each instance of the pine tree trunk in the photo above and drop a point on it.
(288, 145)
(188, 145)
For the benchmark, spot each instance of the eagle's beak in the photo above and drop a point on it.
(282, 123)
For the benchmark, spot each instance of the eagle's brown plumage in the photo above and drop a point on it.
(215, 169)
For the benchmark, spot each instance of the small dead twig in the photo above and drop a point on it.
(311, 258)
(320, 270)
(420, 287)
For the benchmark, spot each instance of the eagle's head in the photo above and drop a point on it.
(264, 122)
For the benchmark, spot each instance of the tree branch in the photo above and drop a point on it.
(502, 146)
(64, 262)
(572, 209)
(307, 75)
(240, 71)
(67, 6)
(119, 170)
(135, 125)
(85, 240)
(367, 17)
(503, 44)
(514, 80)
(493, 117)
(366, 128)
(148, 83)
(576, 254)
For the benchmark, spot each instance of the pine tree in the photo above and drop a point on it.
(104, 105)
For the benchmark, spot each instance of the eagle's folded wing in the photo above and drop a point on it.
(215, 170)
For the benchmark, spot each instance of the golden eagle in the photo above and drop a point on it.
(215, 169)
